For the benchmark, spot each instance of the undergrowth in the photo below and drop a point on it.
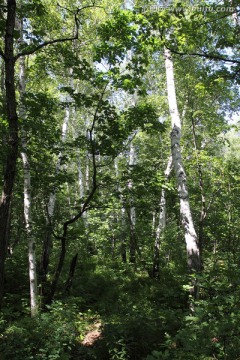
(141, 319)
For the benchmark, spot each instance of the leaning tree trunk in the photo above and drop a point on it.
(12, 140)
(28, 198)
(193, 255)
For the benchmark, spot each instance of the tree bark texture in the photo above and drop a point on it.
(132, 211)
(73, 264)
(28, 199)
(12, 140)
(193, 255)
(203, 212)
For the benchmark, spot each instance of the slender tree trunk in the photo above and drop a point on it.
(72, 268)
(47, 244)
(28, 199)
(162, 221)
(57, 273)
(203, 212)
(192, 247)
(121, 218)
(123, 236)
(80, 179)
(12, 140)
(3, 79)
(82, 190)
(132, 211)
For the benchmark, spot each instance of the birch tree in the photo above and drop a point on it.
(10, 165)
(132, 210)
(193, 255)
(28, 197)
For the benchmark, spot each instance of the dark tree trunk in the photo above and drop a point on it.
(71, 273)
(12, 139)
(58, 271)
(132, 252)
(47, 246)
(132, 242)
(123, 251)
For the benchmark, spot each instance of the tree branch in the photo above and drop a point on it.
(94, 177)
(63, 238)
(207, 56)
(51, 42)
(25, 53)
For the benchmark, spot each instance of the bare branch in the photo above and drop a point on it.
(89, 7)
(207, 56)
(51, 42)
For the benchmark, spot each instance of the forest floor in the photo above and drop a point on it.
(92, 335)
(118, 313)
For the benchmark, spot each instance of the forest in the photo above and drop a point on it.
(120, 179)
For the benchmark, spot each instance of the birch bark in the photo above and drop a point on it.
(191, 241)
(28, 198)
(203, 212)
(122, 217)
(132, 212)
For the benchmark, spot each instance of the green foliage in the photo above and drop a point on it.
(144, 116)
(211, 329)
(50, 336)
(113, 46)
(116, 62)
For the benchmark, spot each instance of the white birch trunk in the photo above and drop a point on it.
(162, 215)
(80, 179)
(52, 197)
(28, 201)
(203, 212)
(88, 156)
(122, 216)
(65, 125)
(153, 223)
(132, 215)
(187, 221)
